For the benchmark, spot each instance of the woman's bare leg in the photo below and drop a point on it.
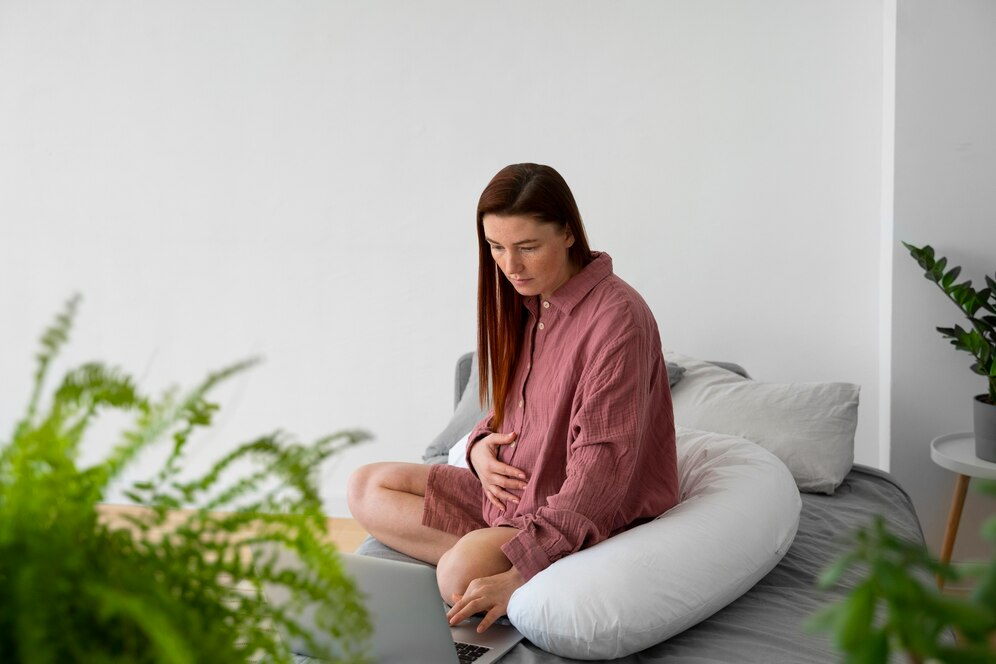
(386, 499)
(477, 555)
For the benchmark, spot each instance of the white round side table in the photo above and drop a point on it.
(956, 452)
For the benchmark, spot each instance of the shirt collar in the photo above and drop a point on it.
(577, 287)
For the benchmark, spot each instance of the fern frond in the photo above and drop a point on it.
(167, 642)
(52, 341)
(160, 418)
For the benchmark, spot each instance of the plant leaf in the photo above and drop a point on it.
(874, 650)
(859, 612)
(965, 615)
(54, 337)
(824, 620)
(831, 575)
(951, 275)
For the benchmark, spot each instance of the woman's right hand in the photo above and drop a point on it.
(496, 477)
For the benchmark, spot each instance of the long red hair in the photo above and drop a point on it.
(529, 190)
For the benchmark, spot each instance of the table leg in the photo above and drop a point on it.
(954, 518)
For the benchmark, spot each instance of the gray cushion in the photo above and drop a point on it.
(809, 426)
(467, 414)
(372, 547)
(674, 373)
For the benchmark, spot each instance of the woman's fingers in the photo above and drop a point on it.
(498, 483)
(504, 481)
(489, 595)
(501, 438)
(489, 618)
(495, 439)
(512, 477)
(494, 500)
(497, 478)
(463, 608)
(498, 470)
(471, 602)
(498, 492)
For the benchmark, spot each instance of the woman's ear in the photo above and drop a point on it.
(569, 237)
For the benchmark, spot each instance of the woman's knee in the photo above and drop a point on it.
(357, 486)
(362, 484)
(454, 573)
(476, 555)
(366, 481)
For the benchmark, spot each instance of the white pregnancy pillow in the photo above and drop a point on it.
(737, 517)
(457, 456)
(809, 426)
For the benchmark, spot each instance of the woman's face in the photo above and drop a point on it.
(531, 254)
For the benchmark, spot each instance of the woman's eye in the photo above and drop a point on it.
(528, 249)
(495, 247)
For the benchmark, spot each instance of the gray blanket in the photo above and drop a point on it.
(765, 624)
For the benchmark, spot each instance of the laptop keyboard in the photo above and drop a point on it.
(469, 653)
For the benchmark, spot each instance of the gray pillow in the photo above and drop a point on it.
(809, 426)
(674, 373)
(469, 412)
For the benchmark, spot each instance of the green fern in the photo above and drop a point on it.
(163, 586)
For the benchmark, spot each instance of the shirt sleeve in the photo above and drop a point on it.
(483, 429)
(605, 433)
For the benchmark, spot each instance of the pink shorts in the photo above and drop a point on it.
(454, 500)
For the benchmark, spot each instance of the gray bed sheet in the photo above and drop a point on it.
(765, 625)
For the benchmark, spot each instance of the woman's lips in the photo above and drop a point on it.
(520, 282)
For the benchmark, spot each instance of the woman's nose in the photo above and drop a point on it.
(512, 263)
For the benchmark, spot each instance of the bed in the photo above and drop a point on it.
(765, 624)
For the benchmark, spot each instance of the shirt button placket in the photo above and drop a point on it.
(522, 402)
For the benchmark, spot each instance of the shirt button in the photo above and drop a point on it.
(521, 402)
(541, 326)
(546, 305)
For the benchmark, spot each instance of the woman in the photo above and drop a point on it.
(579, 444)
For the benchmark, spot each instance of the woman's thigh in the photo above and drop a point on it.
(398, 476)
(387, 499)
(367, 485)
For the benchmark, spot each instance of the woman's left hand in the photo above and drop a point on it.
(489, 594)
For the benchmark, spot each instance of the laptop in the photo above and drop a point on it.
(406, 612)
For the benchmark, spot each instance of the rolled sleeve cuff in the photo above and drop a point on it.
(526, 555)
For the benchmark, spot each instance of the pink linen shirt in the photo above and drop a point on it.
(591, 406)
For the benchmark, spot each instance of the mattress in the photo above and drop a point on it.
(766, 624)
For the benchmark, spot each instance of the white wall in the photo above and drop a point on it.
(944, 196)
(299, 180)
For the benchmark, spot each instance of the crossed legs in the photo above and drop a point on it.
(386, 499)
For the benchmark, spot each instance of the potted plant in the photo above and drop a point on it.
(163, 584)
(979, 339)
(894, 605)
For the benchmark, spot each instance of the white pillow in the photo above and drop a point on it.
(738, 515)
(809, 426)
(457, 456)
